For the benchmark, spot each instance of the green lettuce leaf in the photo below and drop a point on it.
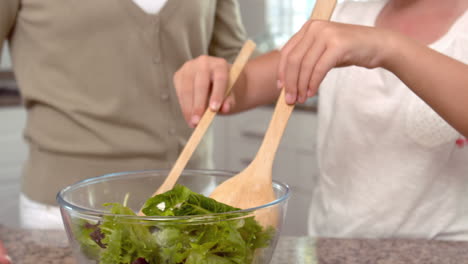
(230, 238)
(181, 201)
(83, 231)
(126, 239)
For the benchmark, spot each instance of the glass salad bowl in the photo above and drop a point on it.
(180, 226)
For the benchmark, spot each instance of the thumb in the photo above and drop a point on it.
(4, 258)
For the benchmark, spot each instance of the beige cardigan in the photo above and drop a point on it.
(96, 79)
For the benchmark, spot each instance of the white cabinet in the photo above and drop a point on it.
(238, 137)
(5, 60)
(13, 152)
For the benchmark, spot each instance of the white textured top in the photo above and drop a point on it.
(390, 166)
(150, 6)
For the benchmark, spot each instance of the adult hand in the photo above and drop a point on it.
(320, 46)
(4, 258)
(200, 81)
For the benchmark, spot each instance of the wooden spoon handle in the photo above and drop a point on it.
(323, 10)
(205, 121)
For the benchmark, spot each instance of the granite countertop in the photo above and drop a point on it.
(33, 246)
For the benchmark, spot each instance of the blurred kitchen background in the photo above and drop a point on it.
(237, 138)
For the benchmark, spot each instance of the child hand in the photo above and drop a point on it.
(199, 81)
(4, 258)
(320, 46)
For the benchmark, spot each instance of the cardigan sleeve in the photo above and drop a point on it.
(8, 11)
(228, 33)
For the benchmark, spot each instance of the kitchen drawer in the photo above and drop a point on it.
(297, 213)
(13, 121)
(300, 132)
(13, 150)
(241, 136)
(9, 195)
(295, 168)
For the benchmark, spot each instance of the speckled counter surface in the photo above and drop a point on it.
(28, 247)
(33, 246)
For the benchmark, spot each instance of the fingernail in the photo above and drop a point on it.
(214, 106)
(195, 119)
(310, 93)
(290, 99)
(279, 84)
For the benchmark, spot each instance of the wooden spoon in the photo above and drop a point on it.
(252, 187)
(205, 121)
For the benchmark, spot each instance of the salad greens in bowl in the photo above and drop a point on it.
(181, 226)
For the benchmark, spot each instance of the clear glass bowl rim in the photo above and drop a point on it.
(194, 218)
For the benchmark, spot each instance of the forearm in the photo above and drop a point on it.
(439, 80)
(257, 84)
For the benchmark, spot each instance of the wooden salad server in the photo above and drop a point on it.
(205, 121)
